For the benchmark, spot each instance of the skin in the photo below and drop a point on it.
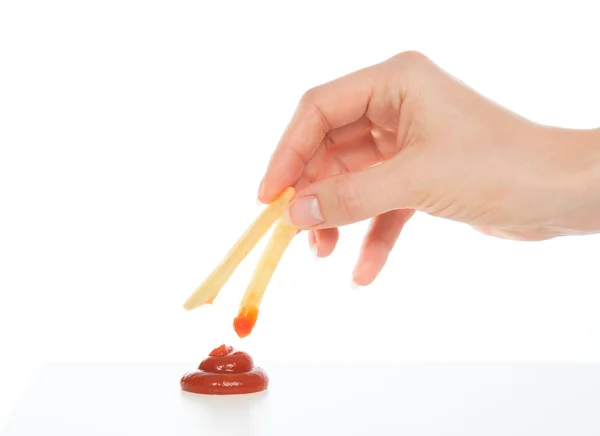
(404, 136)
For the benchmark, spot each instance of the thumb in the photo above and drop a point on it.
(351, 197)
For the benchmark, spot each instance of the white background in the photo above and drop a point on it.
(133, 135)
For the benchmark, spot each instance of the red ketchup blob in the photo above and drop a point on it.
(245, 321)
(226, 371)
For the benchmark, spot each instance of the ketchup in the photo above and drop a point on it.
(226, 371)
(245, 321)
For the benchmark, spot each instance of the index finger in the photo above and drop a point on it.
(320, 110)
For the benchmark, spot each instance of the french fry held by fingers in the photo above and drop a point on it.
(209, 289)
(279, 241)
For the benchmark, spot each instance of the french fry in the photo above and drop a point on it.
(278, 243)
(209, 289)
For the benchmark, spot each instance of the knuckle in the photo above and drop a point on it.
(411, 57)
(411, 64)
(310, 97)
(378, 240)
(309, 104)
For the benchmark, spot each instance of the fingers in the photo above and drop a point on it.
(348, 156)
(351, 197)
(378, 243)
(312, 241)
(322, 242)
(322, 109)
(347, 133)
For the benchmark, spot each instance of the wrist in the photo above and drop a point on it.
(579, 163)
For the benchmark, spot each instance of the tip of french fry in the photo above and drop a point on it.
(287, 194)
(193, 303)
(205, 294)
(244, 323)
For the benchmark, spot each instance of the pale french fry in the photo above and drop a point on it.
(208, 290)
(278, 243)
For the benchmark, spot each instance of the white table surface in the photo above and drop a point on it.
(316, 399)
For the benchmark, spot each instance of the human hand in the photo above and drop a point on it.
(403, 135)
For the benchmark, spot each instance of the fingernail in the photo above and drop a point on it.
(315, 251)
(353, 285)
(259, 193)
(304, 212)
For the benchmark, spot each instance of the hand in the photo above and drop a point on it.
(404, 135)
